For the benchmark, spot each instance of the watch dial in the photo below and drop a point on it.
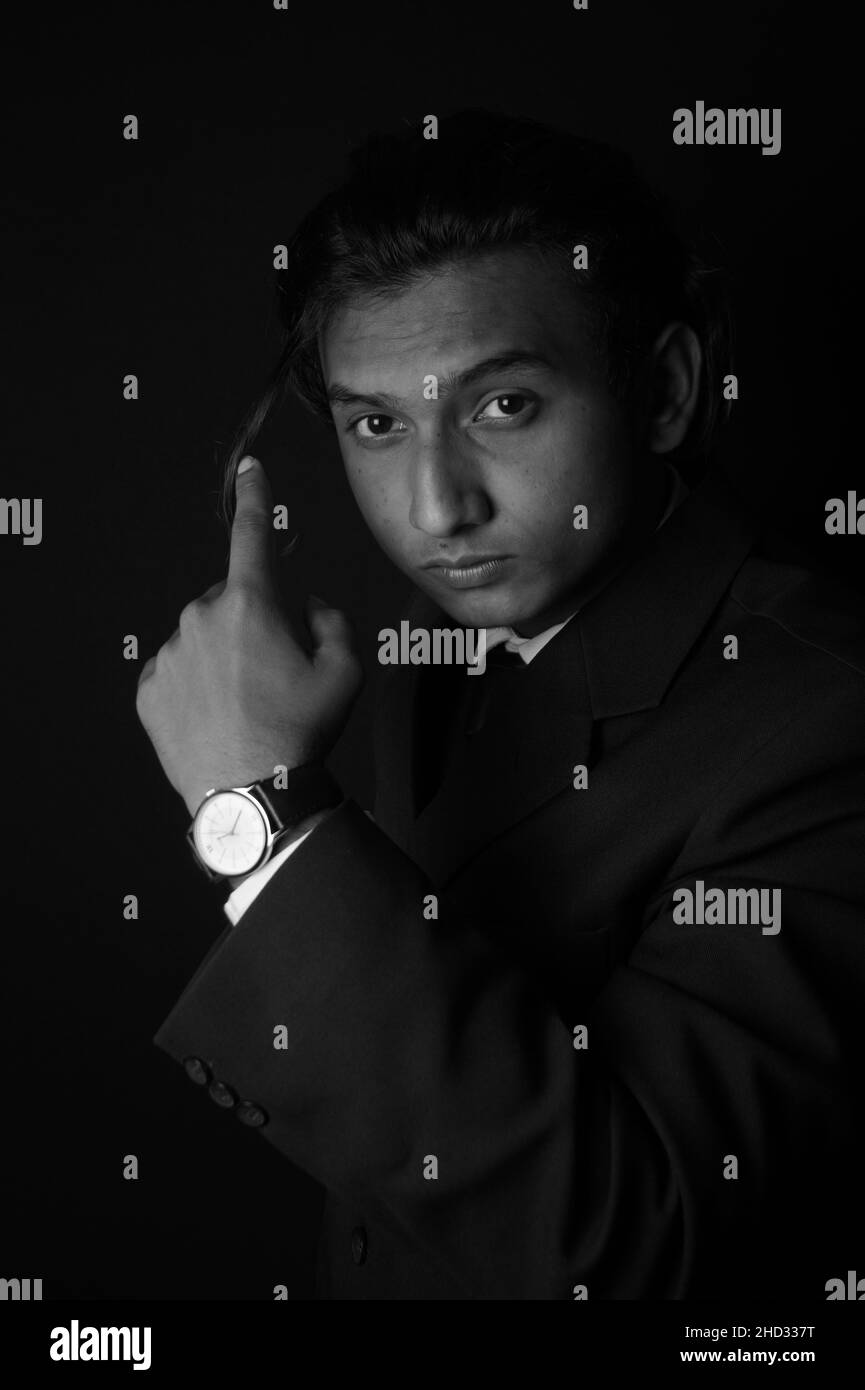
(230, 834)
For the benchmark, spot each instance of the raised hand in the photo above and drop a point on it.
(233, 692)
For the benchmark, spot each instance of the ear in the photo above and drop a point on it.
(674, 369)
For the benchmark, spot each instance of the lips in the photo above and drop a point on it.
(470, 572)
(464, 562)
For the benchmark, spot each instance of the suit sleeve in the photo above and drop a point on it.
(607, 1166)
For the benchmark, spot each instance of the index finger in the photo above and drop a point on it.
(252, 539)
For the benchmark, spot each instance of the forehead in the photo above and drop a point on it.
(453, 316)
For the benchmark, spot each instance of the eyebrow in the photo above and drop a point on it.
(519, 359)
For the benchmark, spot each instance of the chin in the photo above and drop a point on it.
(485, 608)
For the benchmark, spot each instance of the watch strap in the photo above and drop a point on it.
(308, 788)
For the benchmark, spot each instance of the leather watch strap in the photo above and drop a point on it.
(308, 788)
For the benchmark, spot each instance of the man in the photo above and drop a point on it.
(576, 1014)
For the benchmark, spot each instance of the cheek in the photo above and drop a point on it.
(377, 502)
(552, 471)
(581, 459)
(366, 488)
(590, 453)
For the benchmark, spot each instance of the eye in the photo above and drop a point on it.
(375, 426)
(510, 405)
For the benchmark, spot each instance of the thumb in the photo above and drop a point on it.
(251, 556)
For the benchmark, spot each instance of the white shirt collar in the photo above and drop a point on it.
(528, 647)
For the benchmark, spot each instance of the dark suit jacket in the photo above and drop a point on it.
(408, 1038)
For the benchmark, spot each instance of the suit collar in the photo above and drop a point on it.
(638, 631)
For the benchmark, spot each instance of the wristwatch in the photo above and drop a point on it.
(237, 829)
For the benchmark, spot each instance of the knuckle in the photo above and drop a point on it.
(142, 692)
(190, 614)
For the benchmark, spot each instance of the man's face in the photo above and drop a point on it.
(495, 465)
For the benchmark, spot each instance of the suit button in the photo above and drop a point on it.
(222, 1094)
(197, 1071)
(250, 1114)
(358, 1245)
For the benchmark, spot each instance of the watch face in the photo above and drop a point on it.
(230, 833)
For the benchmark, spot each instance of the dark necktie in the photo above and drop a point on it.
(458, 708)
(501, 668)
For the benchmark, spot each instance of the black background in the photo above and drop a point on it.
(155, 258)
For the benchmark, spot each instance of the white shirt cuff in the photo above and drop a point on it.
(246, 892)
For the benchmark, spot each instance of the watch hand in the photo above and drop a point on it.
(231, 831)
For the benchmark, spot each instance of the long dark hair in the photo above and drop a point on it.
(409, 204)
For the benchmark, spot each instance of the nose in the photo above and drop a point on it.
(446, 491)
